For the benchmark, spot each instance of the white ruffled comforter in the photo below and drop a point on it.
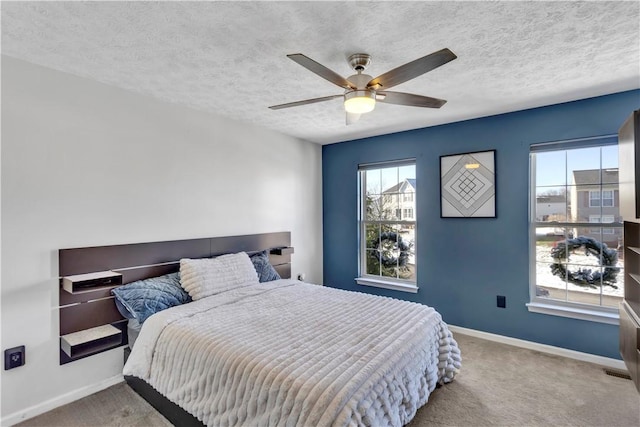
(287, 353)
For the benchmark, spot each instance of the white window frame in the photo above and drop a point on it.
(376, 280)
(592, 199)
(537, 304)
(603, 198)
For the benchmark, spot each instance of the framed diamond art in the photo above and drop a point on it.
(467, 185)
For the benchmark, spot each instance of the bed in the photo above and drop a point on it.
(285, 352)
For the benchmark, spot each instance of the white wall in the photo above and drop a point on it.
(86, 164)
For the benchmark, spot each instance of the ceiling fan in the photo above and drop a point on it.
(361, 91)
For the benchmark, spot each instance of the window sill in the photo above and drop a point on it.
(396, 286)
(593, 315)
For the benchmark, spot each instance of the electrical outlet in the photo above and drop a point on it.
(13, 357)
(502, 301)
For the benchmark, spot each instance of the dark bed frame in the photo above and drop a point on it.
(143, 260)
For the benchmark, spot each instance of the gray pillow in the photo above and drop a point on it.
(265, 270)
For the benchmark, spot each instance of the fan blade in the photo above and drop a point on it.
(321, 70)
(305, 102)
(409, 99)
(412, 69)
(352, 118)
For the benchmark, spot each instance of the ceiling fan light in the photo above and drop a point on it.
(359, 101)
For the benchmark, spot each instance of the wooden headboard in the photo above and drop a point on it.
(93, 308)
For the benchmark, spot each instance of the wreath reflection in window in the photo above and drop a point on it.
(585, 276)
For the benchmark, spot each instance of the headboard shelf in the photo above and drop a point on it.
(89, 340)
(90, 348)
(287, 250)
(81, 283)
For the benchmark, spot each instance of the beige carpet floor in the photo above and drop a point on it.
(499, 385)
(502, 385)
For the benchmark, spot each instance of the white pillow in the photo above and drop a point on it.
(209, 276)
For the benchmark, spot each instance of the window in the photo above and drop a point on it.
(575, 230)
(605, 201)
(600, 219)
(387, 253)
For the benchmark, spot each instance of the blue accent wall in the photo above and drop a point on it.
(464, 263)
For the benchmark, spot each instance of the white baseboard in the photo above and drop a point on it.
(558, 351)
(58, 401)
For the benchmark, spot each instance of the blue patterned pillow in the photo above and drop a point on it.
(265, 270)
(139, 300)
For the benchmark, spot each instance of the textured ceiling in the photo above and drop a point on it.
(229, 58)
